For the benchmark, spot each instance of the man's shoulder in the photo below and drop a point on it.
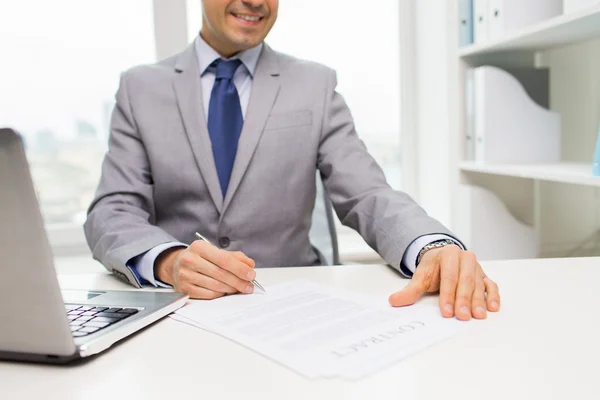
(297, 67)
(152, 71)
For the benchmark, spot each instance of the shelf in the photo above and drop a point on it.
(555, 32)
(565, 172)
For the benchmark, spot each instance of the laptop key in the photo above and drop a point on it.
(76, 323)
(113, 310)
(75, 312)
(129, 311)
(96, 324)
(99, 309)
(72, 317)
(85, 308)
(89, 329)
(70, 307)
(89, 313)
(74, 328)
(112, 315)
(104, 319)
(79, 334)
(85, 318)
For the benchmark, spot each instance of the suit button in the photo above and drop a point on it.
(224, 242)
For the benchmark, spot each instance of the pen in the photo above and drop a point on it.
(199, 236)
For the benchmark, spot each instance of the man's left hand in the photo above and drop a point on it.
(465, 290)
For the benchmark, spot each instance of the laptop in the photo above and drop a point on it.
(38, 321)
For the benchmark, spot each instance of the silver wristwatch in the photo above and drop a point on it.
(433, 245)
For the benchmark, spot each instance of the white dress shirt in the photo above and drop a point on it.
(143, 265)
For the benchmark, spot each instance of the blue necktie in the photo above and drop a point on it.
(225, 120)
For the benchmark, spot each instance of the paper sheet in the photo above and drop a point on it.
(321, 331)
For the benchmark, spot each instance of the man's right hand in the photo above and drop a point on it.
(204, 271)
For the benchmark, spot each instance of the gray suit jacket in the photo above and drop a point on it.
(159, 182)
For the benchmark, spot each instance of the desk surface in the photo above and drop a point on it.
(545, 344)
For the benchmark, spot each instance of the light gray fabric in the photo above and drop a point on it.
(159, 183)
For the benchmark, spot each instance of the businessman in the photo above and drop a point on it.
(225, 139)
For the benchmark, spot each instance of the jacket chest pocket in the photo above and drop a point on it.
(295, 119)
(289, 143)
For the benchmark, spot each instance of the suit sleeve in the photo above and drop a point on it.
(120, 220)
(388, 220)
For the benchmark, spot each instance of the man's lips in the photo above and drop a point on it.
(249, 19)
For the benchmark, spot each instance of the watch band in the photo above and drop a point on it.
(433, 245)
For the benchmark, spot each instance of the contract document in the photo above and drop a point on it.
(321, 331)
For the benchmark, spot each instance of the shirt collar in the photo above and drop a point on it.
(207, 55)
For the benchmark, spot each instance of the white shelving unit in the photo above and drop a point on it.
(561, 201)
(558, 31)
(566, 172)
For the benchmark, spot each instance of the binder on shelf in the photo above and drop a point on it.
(490, 230)
(570, 6)
(465, 27)
(510, 126)
(535, 82)
(470, 116)
(480, 21)
(508, 16)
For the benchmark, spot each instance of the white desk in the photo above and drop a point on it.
(545, 344)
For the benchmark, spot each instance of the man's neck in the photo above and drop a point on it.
(216, 46)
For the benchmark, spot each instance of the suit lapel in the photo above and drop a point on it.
(188, 90)
(265, 88)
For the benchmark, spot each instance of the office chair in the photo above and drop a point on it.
(323, 234)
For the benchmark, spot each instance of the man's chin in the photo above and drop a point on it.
(245, 42)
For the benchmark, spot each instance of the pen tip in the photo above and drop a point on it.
(258, 285)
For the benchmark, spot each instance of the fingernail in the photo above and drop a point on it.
(480, 310)
(250, 288)
(464, 310)
(251, 275)
(495, 305)
(448, 308)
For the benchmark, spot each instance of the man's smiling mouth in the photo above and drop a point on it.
(246, 17)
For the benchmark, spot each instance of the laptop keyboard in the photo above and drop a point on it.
(85, 320)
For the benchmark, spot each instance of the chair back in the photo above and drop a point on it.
(323, 234)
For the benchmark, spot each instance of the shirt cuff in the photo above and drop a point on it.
(409, 260)
(143, 265)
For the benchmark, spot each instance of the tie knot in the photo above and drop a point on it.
(226, 68)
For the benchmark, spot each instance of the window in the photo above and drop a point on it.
(61, 62)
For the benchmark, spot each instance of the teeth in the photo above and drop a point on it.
(247, 17)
